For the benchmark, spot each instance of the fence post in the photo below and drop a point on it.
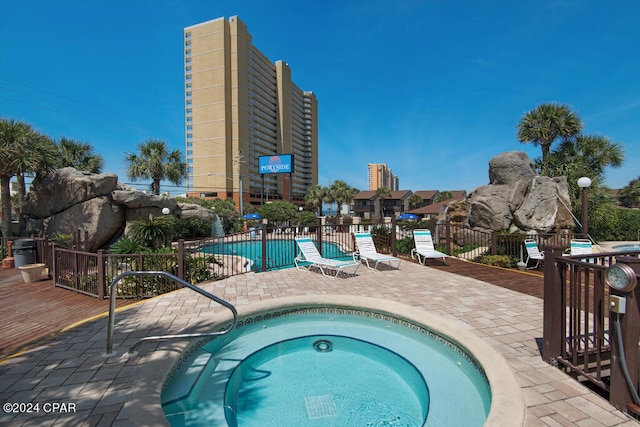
(101, 279)
(181, 259)
(263, 234)
(53, 268)
(553, 306)
(319, 230)
(447, 236)
(394, 225)
(494, 242)
(620, 395)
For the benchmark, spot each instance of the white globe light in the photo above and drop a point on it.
(165, 211)
(584, 182)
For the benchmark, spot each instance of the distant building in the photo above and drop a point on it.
(239, 106)
(381, 176)
(368, 206)
(434, 209)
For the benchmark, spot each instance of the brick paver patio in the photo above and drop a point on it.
(70, 369)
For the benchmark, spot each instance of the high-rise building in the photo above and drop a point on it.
(381, 176)
(239, 106)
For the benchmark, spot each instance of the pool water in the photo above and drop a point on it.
(327, 368)
(340, 370)
(627, 247)
(280, 252)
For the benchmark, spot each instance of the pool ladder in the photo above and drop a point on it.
(132, 350)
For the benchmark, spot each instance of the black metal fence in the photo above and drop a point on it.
(265, 247)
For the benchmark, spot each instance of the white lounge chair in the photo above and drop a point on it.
(309, 255)
(581, 247)
(424, 247)
(533, 252)
(366, 250)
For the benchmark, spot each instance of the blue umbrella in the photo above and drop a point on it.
(252, 216)
(408, 216)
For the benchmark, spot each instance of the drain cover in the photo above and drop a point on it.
(320, 406)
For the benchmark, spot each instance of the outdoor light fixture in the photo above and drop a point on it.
(584, 183)
(165, 211)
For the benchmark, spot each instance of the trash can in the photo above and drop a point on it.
(24, 252)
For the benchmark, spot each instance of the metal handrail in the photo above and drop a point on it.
(112, 307)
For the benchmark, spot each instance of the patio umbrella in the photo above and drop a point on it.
(408, 216)
(254, 216)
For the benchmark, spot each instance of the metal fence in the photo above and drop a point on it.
(578, 324)
(264, 247)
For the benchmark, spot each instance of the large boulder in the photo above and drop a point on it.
(517, 199)
(489, 208)
(99, 217)
(68, 201)
(508, 168)
(65, 188)
(543, 207)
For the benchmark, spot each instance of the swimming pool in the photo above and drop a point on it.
(395, 369)
(627, 247)
(280, 252)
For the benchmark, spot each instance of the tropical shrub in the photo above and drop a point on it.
(497, 260)
(126, 245)
(404, 245)
(191, 228)
(154, 231)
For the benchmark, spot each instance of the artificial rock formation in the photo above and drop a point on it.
(69, 200)
(516, 199)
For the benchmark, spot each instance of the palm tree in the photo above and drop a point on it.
(545, 124)
(155, 162)
(415, 201)
(342, 193)
(442, 196)
(630, 194)
(315, 196)
(382, 194)
(152, 232)
(22, 151)
(79, 155)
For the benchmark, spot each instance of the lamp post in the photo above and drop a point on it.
(584, 183)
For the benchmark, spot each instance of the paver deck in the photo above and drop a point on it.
(70, 368)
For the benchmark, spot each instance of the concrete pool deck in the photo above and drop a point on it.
(70, 369)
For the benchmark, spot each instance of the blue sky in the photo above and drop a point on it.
(434, 89)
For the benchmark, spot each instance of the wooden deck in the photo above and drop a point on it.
(530, 282)
(31, 312)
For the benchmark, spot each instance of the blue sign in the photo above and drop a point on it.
(280, 163)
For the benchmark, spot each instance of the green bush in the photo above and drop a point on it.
(191, 228)
(404, 245)
(497, 260)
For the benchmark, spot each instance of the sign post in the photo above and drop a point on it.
(277, 164)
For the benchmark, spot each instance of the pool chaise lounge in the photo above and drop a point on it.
(424, 247)
(366, 251)
(309, 255)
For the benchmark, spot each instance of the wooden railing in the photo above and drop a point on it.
(578, 325)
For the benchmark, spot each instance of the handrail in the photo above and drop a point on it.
(112, 307)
